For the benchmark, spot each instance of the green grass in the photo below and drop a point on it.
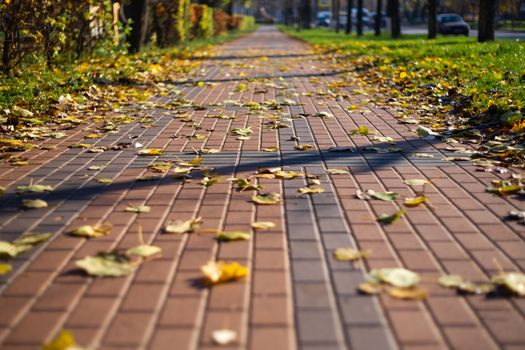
(36, 86)
(492, 74)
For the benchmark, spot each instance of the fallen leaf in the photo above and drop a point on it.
(219, 272)
(513, 281)
(408, 293)
(144, 250)
(324, 115)
(268, 198)
(384, 196)
(416, 182)
(5, 269)
(2, 190)
(232, 236)
(451, 281)
(95, 167)
(271, 149)
(414, 202)
(64, 341)
(32, 239)
(310, 190)
(362, 130)
(286, 174)
(161, 167)
(180, 226)
(150, 152)
(370, 288)
(426, 132)
(475, 288)
(388, 219)
(34, 203)
(423, 155)
(304, 147)
(223, 336)
(106, 265)
(34, 189)
(104, 180)
(90, 231)
(246, 185)
(397, 277)
(242, 131)
(8, 249)
(263, 225)
(350, 254)
(337, 171)
(210, 181)
(138, 209)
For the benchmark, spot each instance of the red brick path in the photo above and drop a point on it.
(297, 295)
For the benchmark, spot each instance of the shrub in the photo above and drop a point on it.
(220, 21)
(201, 21)
(247, 23)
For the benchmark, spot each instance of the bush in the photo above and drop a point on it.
(201, 21)
(220, 21)
(247, 23)
(53, 28)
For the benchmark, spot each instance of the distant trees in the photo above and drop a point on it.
(486, 26)
(305, 10)
(336, 7)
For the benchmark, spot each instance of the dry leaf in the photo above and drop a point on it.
(271, 149)
(408, 293)
(104, 180)
(150, 152)
(90, 231)
(370, 288)
(304, 147)
(106, 265)
(451, 281)
(138, 209)
(34, 203)
(350, 254)
(64, 341)
(513, 281)
(144, 250)
(218, 272)
(416, 182)
(310, 190)
(414, 202)
(223, 336)
(180, 226)
(232, 236)
(5, 269)
(337, 171)
(34, 189)
(266, 199)
(397, 277)
(246, 185)
(7, 249)
(263, 225)
(388, 219)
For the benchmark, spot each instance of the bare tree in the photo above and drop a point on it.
(432, 19)
(306, 14)
(487, 22)
(378, 19)
(359, 17)
(350, 5)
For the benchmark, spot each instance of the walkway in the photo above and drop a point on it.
(297, 296)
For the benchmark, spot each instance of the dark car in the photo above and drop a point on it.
(451, 23)
(323, 18)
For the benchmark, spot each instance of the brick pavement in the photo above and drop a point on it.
(297, 295)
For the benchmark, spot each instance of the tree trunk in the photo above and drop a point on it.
(359, 17)
(432, 20)
(487, 13)
(379, 15)
(336, 15)
(307, 14)
(230, 7)
(348, 28)
(395, 18)
(137, 11)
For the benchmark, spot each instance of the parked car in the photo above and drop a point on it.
(366, 18)
(452, 23)
(373, 16)
(323, 18)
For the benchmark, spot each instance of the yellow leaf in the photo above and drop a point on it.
(310, 190)
(5, 269)
(350, 254)
(408, 293)
(263, 225)
(151, 152)
(91, 231)
(64, 341)
(219, 272)
(414, 202)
